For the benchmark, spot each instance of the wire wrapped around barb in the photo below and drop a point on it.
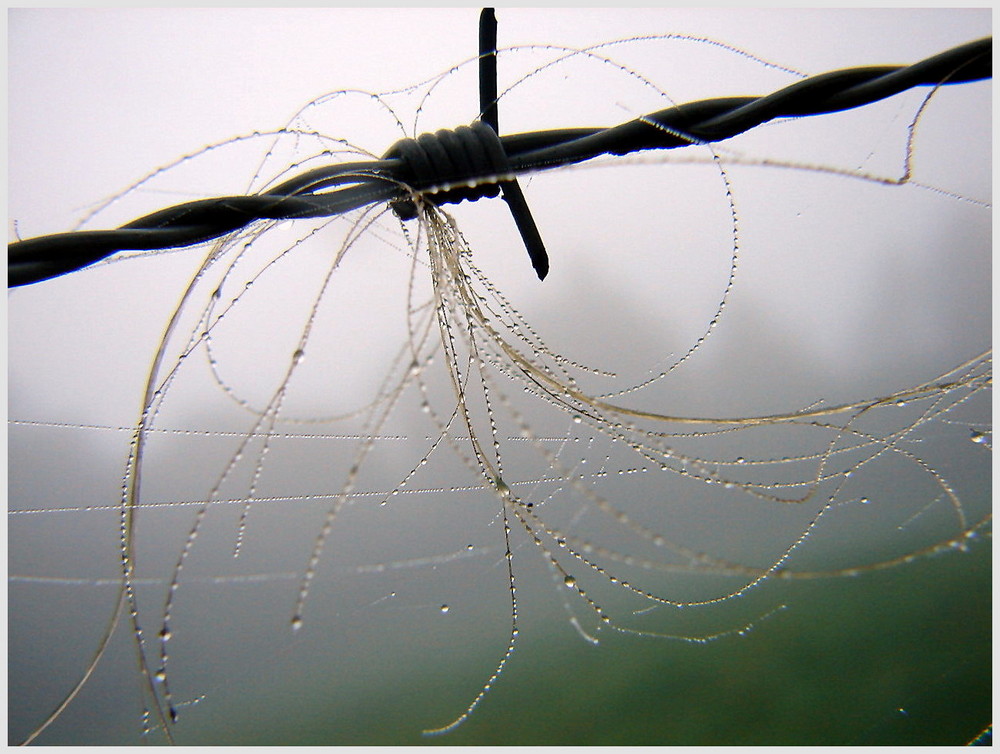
(466, 163)
(364, 183)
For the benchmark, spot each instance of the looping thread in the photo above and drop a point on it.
(450, 165)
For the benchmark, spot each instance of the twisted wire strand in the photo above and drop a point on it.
(443, 165)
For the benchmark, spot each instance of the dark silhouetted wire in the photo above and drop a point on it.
(511, 189)
(397, 179)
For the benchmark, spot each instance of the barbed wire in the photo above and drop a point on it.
(442, 166)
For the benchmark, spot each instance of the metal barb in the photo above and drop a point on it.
(511, 190)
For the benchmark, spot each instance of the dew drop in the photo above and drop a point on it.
(503, 489)
(979, 437)
(570, 582)
(445, 608)
(296, 622)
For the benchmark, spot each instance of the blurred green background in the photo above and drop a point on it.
(897, 657)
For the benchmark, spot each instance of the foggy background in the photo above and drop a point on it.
(845, 289)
